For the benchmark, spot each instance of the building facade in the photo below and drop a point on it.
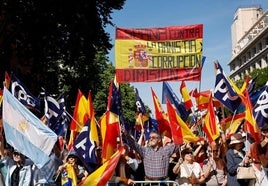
(249, 41)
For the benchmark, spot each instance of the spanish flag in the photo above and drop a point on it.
(161, 117)
(103, 174)
(231, 124)
(174, 125)
(186, 97)
(250, 124)
(80, 117)
(210, 126)
(179, 127)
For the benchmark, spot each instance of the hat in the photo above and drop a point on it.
(72, 154)
(237, 138)
(265, 127)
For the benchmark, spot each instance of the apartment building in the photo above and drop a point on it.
(249, 41)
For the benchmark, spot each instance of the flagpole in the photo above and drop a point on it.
(80, 126)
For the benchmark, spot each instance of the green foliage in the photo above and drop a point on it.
(262, 78)
(60, 46)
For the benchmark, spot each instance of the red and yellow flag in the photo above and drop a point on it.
(161, 117)
(179, 126)
(250, 124)
(202, 99)
(159, 54)
(186, 96)
(174, 125)
(231, 124)
(102, 175)
(93, 123)
(110, 133)
(7, 81)
(210, 126)
(80, 117)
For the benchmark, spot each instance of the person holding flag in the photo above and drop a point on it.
(155, 156)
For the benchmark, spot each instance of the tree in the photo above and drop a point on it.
(56, 45)
(262, 78)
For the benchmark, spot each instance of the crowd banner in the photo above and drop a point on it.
(171, 53)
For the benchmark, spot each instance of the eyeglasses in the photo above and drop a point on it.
(153, 137)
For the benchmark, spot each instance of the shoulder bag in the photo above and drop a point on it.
(246, 173)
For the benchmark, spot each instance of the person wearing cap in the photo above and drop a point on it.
(71, 169)
(189, 171)
(236, 157)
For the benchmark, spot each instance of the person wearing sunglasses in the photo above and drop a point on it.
(189, 171)
(215, 167)
(19, 171)
(155, 156)
(18, 167)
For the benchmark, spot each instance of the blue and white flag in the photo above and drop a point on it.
(223, 90)
(21, 92)
(25, 132)
(139, 103)
(85, 146)
(167, 92)
(260, 110)
(55, 114)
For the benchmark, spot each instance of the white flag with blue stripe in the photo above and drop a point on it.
(25, 132)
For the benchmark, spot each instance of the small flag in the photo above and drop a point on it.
(21, 92)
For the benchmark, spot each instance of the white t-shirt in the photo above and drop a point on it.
(193, 168)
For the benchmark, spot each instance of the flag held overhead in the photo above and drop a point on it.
(25, 132)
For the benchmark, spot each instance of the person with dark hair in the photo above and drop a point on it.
(19, 172)
(257, 154)
(215, 167)
(189, 172)
(71, 169)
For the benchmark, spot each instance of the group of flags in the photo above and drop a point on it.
(87, 135)
(21, 125)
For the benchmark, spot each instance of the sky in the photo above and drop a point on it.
(216, 17)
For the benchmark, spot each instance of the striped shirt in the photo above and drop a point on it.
(155, 162)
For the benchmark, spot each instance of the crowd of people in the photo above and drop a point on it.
(194, 163)
(202, 163)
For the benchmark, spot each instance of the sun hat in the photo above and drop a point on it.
(237, 138)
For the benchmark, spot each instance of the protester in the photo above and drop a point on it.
(19, 172)
(215, 167)
(256, 154)
(155, 156)
(71, 169)
(172, 162)
(200, 152)
(236, 157)
(264, 132)
(189, 172)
